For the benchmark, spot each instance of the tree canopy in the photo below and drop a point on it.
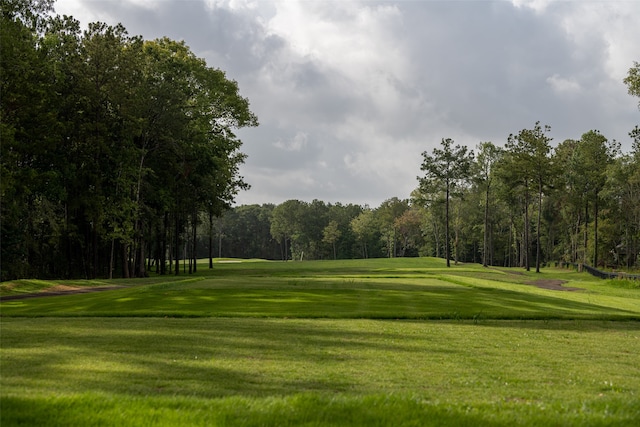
(119, 154)
(111, 145)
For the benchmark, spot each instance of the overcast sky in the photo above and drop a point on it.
(350, 93)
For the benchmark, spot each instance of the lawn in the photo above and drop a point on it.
(376, 342)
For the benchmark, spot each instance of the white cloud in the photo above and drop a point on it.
(297, 143)
(563, 85)
(539, 6)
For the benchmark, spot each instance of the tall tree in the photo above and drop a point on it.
(331, 234)
(488, 155)
(528, 166)
(364, 227)
(588, 166)
(285, 225)
(386, 216)
(30, 179)
(445, 170)
(408, 226)
(109, 145)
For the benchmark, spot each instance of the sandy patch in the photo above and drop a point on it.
(60, 288)
(551, 284)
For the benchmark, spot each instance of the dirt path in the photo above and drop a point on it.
(551, 284)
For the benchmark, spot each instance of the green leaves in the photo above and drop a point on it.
(633, 80)
(445, 170)
(110, 133)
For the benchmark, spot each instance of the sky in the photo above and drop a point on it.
(349, 94)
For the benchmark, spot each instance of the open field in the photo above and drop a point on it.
(375, 342)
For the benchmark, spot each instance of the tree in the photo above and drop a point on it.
(364, 227)
(408, 226)
(110, 144)
(488, 155)
(526, 166)
(588, 166)
(285, 225)
(27, 131)
(623, 189)
(633, 80)
(445, 170)
(331, 234)
(386, 216)
(569, 202)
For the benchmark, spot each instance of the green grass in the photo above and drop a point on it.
(376, 342)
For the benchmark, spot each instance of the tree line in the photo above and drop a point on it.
(112, 146)
(119, 156)
(522, 204)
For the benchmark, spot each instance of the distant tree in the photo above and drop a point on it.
(286, 225)
(623, 189)
(386, 215)
(408, 226)
(331, 234)
(526, 166)
(314, 217)
(445, 170)
(588, 173)
(487, 157)
(432, 208)
(364, 227)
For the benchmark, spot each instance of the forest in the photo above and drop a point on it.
(119, 157)
(110, 144)
(522, 205)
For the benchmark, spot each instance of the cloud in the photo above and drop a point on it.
(350, 93)
(563, 85)
(295, 144)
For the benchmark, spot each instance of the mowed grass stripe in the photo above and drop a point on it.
(431, 298)
(292, 371)
(326, 343)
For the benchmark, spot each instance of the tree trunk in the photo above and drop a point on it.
(141, 258)
(436, 238)
(113, 244)
(177, 245)
(163, 245)
(455, 246)
(586, 226)
(527, 243)
(446, 228)
(210, 240)
(486, 228)
(195, 242)
(125, 261)
(142, 272)
(595, 232)
(538, 229)
(219, 237)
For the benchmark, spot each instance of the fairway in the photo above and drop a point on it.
(374, 342)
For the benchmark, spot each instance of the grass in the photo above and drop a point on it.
(378, 342)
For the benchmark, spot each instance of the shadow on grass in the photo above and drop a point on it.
(291, 372)
(321, 299)
(214, 358)
(305, 409)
